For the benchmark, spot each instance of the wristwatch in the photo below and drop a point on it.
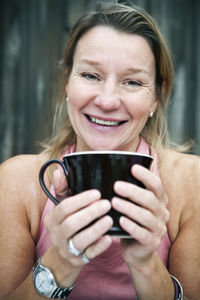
(45, 285)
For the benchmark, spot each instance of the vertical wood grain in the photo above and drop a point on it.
(33, 34)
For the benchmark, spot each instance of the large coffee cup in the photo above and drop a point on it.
(98, 170)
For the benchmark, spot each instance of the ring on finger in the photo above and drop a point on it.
(85, 258)
(72, 249)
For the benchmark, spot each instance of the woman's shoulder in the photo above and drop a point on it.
(21, 172)
(20, 190)
(180, 172)
(21, 169)
(183, 164)
(180, 175)
(24, 159)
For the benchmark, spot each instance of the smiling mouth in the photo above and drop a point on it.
(104, 123)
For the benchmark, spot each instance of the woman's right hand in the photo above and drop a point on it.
(68, 219)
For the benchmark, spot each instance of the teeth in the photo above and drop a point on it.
(104, 123)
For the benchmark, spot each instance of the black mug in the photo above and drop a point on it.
(98, 170)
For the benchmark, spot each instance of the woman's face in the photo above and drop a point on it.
(111, 89)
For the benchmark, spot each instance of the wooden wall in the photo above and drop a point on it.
(33, 34)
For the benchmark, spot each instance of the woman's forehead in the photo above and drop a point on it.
(102, 45)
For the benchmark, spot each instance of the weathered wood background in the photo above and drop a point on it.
(33, 34)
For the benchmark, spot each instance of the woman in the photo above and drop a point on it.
(118, 77)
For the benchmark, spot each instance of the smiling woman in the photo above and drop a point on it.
(135, 74)
(112, 93)
(117, 76)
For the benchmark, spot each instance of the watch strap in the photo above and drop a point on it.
(61, 293)
(58, 292)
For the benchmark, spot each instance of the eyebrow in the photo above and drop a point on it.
(134, 70)
(137, 70)
(90, 62)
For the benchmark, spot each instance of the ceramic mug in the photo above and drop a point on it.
(98, 170)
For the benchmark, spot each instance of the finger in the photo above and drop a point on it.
(84, 217)
(137, 194)
(99, 247)
(93, 233)
(75, 203)
(150, 180)
(141, 234)
(136, 213)
(143, 198)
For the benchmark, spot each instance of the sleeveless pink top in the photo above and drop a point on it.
(107, 276)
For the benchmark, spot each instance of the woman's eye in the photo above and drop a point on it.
(133, 83)
(90, 76)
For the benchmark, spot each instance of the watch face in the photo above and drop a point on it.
(43, 283)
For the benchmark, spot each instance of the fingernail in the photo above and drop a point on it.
(110, 219)
(122, 220)
(118, 185)
(107, 204)
(137, 169)
(95, 194)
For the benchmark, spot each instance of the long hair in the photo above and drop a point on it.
(128, 19)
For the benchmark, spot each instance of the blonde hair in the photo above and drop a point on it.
(127, 19)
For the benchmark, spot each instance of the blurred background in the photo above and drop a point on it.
(33, 34)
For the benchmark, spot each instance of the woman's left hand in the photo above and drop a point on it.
(145, 216)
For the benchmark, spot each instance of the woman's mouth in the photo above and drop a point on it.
(101, 122)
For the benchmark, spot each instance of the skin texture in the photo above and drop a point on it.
(111, 89)
(108, 90)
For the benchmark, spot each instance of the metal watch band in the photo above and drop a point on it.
(57, 292)
(61, 293)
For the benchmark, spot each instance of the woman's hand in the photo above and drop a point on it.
(68, 219)
(144, 217)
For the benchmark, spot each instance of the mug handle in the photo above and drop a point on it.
(41, 177)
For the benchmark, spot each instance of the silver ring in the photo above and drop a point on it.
(72, 249)
(84, 258)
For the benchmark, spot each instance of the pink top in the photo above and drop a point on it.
(107, 276)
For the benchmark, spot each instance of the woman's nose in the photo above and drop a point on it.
(108, 98)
